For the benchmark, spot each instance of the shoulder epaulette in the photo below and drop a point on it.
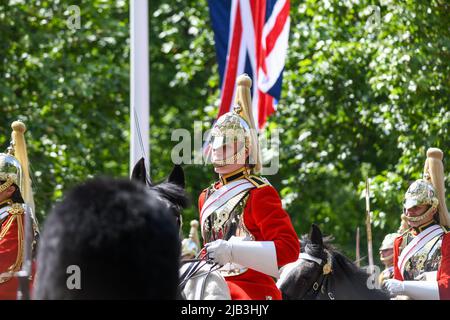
(258, 181)
(210, 190)
(446, 229)
(16, 209)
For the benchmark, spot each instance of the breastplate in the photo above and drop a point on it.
(387, 273)
(426, 259)
(228, 221)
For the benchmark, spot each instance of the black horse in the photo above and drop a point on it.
(323, 273)
(171, 191)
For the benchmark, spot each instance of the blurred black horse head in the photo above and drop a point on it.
(323, 273)
(171, 191)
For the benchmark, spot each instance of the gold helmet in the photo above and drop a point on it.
(388, 241)
(10, 171)
(420, 192)
(14, 165)
(238, 126)
(430, 190)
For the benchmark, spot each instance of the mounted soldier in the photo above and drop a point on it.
(422, 253)
(16, 199)
(387, 257)
(243, 224)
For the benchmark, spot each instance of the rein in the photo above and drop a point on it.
(197, 264)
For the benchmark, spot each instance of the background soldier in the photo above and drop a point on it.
(422, 253)
(190, 246)
(387, 257)
(15, 193)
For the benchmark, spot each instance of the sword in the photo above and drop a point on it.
(358, 259)
(368, 226)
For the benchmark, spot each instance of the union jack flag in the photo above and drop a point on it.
(251, 36)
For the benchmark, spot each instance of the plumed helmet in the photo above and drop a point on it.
(238, 126)
(388, 242)
(420, 192)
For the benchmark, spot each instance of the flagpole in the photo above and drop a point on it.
(139, 83)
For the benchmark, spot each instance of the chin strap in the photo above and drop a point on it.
(257, 255)
(421, 290)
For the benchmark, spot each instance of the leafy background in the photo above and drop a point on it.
(360, 99)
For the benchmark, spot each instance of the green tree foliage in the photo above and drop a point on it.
(362, 99)
(366, 91)
(71, 88)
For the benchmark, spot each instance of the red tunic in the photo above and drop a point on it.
(266, 220)
(443, 275)
(9, 250)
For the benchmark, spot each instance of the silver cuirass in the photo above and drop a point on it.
(424, 262)
(228, 221)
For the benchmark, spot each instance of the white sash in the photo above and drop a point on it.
(4, 212)
(418, 243)
(221, 196)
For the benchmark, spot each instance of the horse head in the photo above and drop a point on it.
(171, 191)
(302, 279)
(323, 273)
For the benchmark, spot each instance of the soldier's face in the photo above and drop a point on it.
(386, 256)
(386, 253)
(417, 210)
(7, 194)
(225, 152)
(228, 149)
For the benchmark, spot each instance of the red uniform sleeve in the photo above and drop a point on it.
(444, 269)
(397, 273)
(274, 223)
(201, 200)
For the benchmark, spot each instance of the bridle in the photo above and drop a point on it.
(197, 264)
(321, 285)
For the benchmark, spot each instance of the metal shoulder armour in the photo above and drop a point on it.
(210, 190)
(258, 181)
(406, 238)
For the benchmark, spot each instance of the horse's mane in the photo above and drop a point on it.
(315, 250)
(171, 189)
(173, 193)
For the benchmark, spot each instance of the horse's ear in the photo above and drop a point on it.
(177, 176)
(139, 172)
(316, 235)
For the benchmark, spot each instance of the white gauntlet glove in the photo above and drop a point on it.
(257, 255)
(394, 287)
(417, 290)
(219, 251)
